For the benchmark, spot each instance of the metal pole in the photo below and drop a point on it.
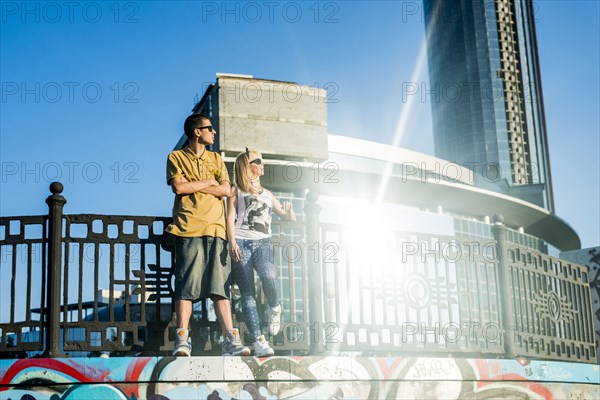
(55, 203)
(508, 315)
(312, 210)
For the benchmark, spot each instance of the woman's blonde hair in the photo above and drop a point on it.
(241, 171)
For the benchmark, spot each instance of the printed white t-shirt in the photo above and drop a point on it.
(254, 213)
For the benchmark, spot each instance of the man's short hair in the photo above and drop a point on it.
(192, 122)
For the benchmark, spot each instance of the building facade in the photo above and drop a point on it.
(488, 109)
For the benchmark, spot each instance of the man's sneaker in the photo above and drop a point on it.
(183, 344)
(232, 345)
(275, 320)
(261, 347)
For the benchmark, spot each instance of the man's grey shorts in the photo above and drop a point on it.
(202, 268)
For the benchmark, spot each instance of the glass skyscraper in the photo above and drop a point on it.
(487, 107)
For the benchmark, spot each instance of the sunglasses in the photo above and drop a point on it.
(257, 161)
(209, 127)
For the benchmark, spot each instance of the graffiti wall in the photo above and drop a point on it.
(212, 378)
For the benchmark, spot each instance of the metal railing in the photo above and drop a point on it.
(344, 291)
(551, 306)
(415, 293)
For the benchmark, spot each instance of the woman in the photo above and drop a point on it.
(249, 209)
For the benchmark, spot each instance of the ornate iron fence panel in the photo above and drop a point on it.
(552, 305)
(116, 287)
(410, 292)
(118, 259)
(122, 254)
(23, 250)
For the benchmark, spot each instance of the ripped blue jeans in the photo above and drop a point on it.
(255, 255)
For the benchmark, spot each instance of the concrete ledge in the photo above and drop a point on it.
(195, 378)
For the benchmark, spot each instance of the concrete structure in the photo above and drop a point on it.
(488, 108)
(283, 119)
(341, 168)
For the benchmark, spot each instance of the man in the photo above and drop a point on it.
(200, 180)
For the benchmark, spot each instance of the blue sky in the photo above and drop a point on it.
(95, 93)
